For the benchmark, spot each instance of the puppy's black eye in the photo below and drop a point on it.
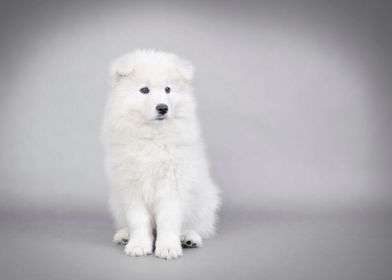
(144, 90)
(167, 89)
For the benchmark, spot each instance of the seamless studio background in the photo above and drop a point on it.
(295, 103)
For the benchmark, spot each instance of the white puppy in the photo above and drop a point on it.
(155, 157)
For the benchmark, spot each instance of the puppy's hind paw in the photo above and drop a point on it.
(121, 236)
(191, 239)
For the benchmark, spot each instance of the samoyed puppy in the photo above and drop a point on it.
(161, 189)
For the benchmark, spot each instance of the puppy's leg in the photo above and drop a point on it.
(139, 222)
(168, 220)
(122, 233)
(204, 216)
(205, 226)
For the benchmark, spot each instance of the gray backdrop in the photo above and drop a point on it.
(295, 102)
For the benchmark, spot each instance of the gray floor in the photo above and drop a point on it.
(250, 245)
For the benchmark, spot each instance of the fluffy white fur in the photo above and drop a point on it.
(157, 167)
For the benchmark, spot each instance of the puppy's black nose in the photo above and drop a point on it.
(162, 108)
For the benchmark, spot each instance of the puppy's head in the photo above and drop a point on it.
(153, 85)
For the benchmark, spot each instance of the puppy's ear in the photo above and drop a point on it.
(121, 68)
(185, 69)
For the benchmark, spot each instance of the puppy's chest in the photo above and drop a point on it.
(155, 160)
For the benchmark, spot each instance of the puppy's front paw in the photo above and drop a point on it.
(168, 249)
(138, 247)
